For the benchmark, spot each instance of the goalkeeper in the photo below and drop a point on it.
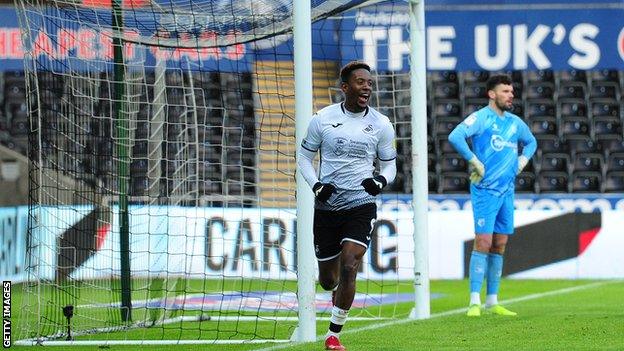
(494, 161)
(349, 137)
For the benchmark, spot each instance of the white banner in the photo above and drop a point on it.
(260, 243)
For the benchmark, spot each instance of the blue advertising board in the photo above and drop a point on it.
(486, 37)
(461, 35)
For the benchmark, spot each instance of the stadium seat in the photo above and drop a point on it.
(605, 107)
(550, 144)
(430, 145)
(610, 143)
(540, 76)
(233, 187)
(607, 126)
(518, 90)
(431, 163)
(403, 130)
(209, 187)
(543, 125)
(140, 148)
(443, 77)
(586, 182)
(444, 146)
(540, 90)
(454, 182)
(446, 108)
(585, 162)
(572, 108)
(475, 76)
(432, 180)
(614, 182)
(572, 76)
(445, 125)
(518, 108)
(540, 108)
(452, 163)
(604, 75)
(138, 186)
(573, 126)
(138, 167)
(525, 182)
(475, 90)
(581, 143)
(445, 91)
(19, 126)
(615, 162)
(553, 182)
(608, 90)
(554, 162)
(473, 105)
(572, 90)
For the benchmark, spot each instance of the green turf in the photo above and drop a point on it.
(585, 319)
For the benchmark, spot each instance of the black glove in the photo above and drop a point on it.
(323, 191)
(374, 185)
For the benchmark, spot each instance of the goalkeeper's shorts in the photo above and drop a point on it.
(492, 213)
(332, 228)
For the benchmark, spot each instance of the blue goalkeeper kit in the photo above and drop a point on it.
(495, 143)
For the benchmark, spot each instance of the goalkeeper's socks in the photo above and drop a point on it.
(338, 319)
(494, 272)
(475, 298)
(477, 269)
(491, 300)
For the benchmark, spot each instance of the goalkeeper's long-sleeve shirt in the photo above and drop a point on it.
(495, 142)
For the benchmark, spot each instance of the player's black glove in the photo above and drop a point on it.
(323, 191)
(374, 185)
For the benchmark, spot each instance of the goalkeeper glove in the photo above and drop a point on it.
(478, 170)
(323, 191)
(374, 185)
(522, 162)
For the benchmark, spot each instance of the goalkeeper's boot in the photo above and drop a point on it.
(501, 311)
(474, 311)
(333, 343)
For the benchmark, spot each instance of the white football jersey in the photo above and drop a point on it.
(348, 145)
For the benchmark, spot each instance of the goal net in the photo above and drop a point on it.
(162, 148)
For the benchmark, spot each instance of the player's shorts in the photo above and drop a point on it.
(492, 213)
(332, 228)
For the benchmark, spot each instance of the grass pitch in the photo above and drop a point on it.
(553, 315)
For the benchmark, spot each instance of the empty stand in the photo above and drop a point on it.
(525, 182)
(614, 182)
(454, 182)
(586, 182)
(553, 182)
(587, 162)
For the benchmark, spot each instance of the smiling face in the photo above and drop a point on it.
(501, 97)
(357, 90)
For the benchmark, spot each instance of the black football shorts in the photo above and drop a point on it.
(332, 228)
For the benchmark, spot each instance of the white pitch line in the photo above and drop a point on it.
(450, 312)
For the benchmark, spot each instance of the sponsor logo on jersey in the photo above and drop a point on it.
(339, 146)
(498, 143)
